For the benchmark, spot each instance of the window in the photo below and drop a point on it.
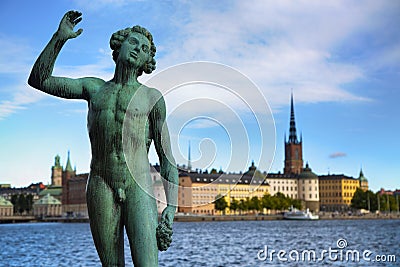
(310, 196)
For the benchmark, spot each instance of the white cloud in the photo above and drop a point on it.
(337, 155)
(22, 96)
(281, 45)
(16, 60)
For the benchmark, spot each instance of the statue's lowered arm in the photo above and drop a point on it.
(168, 172)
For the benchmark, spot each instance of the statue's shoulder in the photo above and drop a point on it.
(92, 85)
(154, 93)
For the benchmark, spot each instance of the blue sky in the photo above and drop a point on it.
(341, 59)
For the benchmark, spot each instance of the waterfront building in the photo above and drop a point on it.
(337, 191)
(295, 182)
(386, 192)
(6, 207)
(198, 191)
(75, 196)
(33, 189)
(47, 206)
(363, 181)
(293, 147)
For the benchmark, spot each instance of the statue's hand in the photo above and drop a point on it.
(67, 24)
(164, 229)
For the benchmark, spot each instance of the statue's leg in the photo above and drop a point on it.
(140, 214)
(105, 222)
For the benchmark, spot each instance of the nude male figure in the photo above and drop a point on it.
(118, 196)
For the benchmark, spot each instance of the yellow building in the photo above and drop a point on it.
(337, 191)
(197, 191)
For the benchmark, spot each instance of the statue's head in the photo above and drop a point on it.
(140, 38)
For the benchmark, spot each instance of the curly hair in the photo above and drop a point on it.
(120, 36)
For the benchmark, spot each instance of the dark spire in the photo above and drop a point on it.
(292, 129)
(68, 167)
(189, 160)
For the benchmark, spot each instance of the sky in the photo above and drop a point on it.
(340, 59)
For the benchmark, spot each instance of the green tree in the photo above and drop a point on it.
(14, 201)
(267, 202)
(359, 200)
(29, 200)
(282, 202)
(296, 203)
(244, 205)
(234, 206)
(220, 203)
(255, 204)
(22, 203)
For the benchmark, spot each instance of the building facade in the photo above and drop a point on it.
(6, 207)
(337, 191)
(198, 191)
(47, 206)
(296, 181)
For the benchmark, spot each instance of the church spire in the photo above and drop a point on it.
(68, 168)
(292, 129)
(189, 161)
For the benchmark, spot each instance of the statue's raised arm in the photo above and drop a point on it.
(41, 75)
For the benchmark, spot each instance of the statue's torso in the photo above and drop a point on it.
(110, 131)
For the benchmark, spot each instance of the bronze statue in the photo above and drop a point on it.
(117, 196)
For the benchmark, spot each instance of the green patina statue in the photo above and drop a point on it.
(119, 194)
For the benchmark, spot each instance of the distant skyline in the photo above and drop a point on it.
(341, 60)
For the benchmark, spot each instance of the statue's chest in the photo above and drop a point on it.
(116, 104)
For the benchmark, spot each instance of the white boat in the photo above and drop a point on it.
(295, 214)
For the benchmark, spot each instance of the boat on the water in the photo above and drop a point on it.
(295, 214)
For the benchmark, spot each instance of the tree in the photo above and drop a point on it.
(296, 203)
(267, 202)
(234, 204)
(255, 204)
(244, 205)
(29, 201)
(22, 203)
(220, 203)
(282, 202)
(359, 200)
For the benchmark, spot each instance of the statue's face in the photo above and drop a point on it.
(135, 50)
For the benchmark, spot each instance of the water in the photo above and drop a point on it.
(209, 243)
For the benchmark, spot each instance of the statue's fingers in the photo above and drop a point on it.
(78, 32)
(69, 13)
(76, 21)
(75, 14)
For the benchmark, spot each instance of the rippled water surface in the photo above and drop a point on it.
(211, 243)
